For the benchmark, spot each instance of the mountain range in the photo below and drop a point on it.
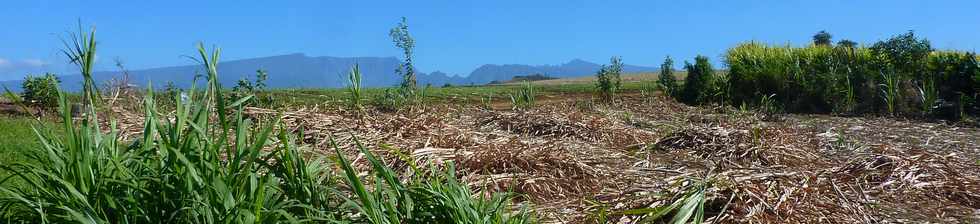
(302, 71)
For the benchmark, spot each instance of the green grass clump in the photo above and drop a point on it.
(524, 98)
(354, 88)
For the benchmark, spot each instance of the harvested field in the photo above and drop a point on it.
(574, 160)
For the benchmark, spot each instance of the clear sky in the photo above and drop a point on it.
(458, 36)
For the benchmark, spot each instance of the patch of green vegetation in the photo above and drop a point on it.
(435, 95)
(902, 75)
(17, 138)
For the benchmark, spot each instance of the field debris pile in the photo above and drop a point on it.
(587, 165)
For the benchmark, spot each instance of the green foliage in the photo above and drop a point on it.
(955, 75)
(440, 198)
(769, 107)
(822, 38)
(928, 96)
(390, 100)
(901, 75)
(808, 79)
(608, 80)
(847, 43)
(89, 178)
(524, 98)
(403, 40)
(890, 92)
(41, 90)
(718, 90)
(486, 102)
(245, 88)
(697, 84)
(81, 52)
(666, 79)
(183, 169)
(687, 206)
(354, 88)
(19, 139)
(905, 53)
(260, 77)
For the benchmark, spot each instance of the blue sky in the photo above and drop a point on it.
(458, 36)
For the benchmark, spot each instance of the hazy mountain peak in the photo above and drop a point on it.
(578, 61)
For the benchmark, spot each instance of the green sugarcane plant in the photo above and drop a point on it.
(890, 93)
(354, 88)
(928, 96)
(524, 98)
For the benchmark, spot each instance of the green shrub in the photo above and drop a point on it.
(608, 80)
(392, 99)
(955, 75)
(256, 90)
(697, 84)
(41, 90)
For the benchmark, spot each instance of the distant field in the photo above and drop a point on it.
(633, 77)
(459, 94)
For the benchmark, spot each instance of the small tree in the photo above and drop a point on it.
(246, 87)
(698, 80)
(666, 80)
(243, 87)
(847, 43)
(41, 90)
(906, 53)
(402, 39)
(822, 38)
(608, 80)
(260, 77)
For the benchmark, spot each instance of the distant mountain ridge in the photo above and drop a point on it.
(574, 68)
(302, 71)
